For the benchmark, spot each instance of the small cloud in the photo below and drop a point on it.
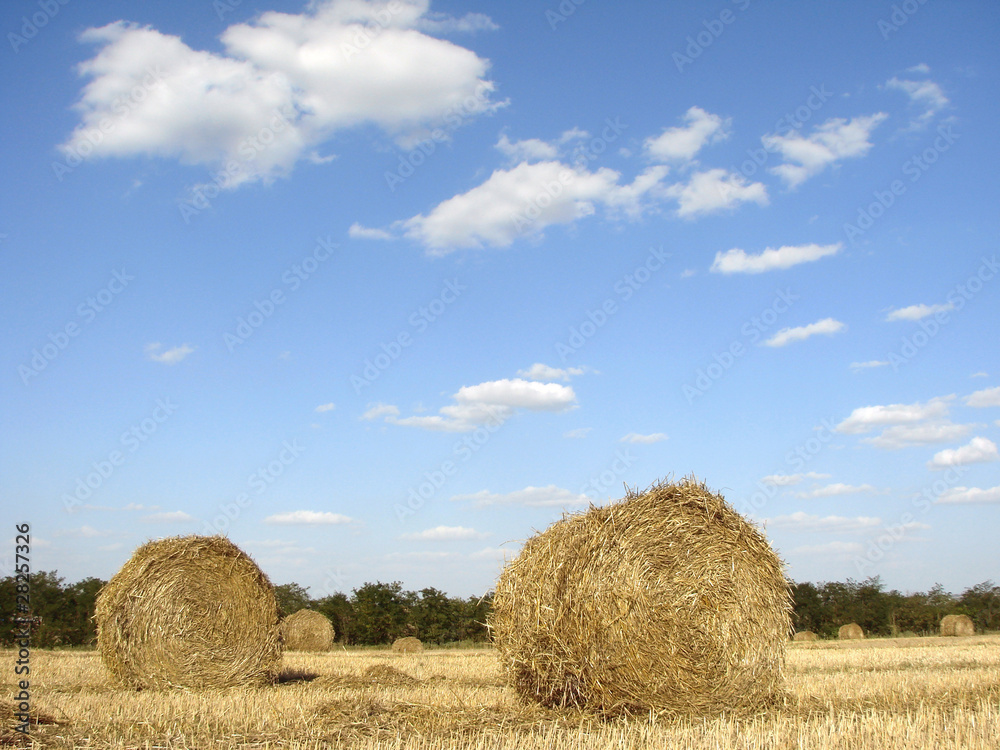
(307, 518)
(170, 356)
(839, 488)
(635, 437)
(922, 68)
(326, 407)
(859, 366)
(737, 260)
(906, 435)
(867, 418)
(980, 374)
(682, 143)
(961, 495)
(358, 232)
(924, 94)
(84, 532)
(917, 312)
(984, 398)
(579, 432)
(687, 273)
(978, 451)
(527, 150)
(532, 497)
(380, 410)
(173, 516)
(830, 549)
(826, 327)
(786, 480)
(801, 521)
(445, 534)
(538, 371)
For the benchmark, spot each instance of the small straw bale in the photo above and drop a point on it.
(850, 632)
(667, 600)
(957, 625)
(408, 645)
(805, 635)
(307, 630)
(190, 611)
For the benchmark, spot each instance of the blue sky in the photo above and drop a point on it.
(380, 288)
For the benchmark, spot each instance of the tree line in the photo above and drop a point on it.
(378, 613)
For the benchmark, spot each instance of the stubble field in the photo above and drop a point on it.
(874, 694)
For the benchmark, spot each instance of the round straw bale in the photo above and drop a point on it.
(190, 611)
(668, 600)
(307, 630)
(408, 645)
(805, 635)
(957, 625)
(850, 632)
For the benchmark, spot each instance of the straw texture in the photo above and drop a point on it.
(307, 630)
(408, 645)
(959, 625)
(850, 632)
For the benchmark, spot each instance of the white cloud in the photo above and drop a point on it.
(924, 94)
(308, 518)
(635, 437)
(827, 327)
(539, 371)
(916, 312)
(359, 232)
(534, 497)
(579, 432)
(532, 149)
(326, 407)
(381, 410)
(919, 68)
(290, 81)
(170, 356)
(838, 488)
(84, 532)
(173, 516)
(867, 418)
(906, 435)
(786, 480)
(683, 142)
(737, 260)
(859, 366)
(834, 140)
(521, 202)
(445, 533)
(958, 495)
(984, 398)
(715, 190)
(978, 450)
(442, 23)
(801, 521)
(980, 374)
(844, 549)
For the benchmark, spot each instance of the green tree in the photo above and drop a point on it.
(291, 598)
(808, 607)
(982, 604)
(381, 612)
(435, 617)
(338, 608)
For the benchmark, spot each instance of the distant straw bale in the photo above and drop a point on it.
(307, 630)
(408, 645)
(668, 600)
(959, 625)
(190, 611)
(805, 635)
(850, 632)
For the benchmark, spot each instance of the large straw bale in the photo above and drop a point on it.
(407, 645)
(307, 630)
(668, 600)
(191, 611)
(850, 632)
(957, 625)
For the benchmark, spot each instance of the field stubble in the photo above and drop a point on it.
(884, 694)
